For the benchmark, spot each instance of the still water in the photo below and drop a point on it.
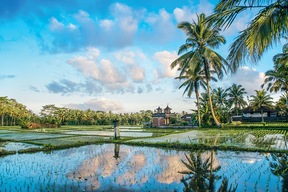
(114, 167)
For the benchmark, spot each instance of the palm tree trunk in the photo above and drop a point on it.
(262, 115)
(2, 120)
(198, 108)
(211, 105)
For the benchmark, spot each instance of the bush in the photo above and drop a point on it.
(30, 125)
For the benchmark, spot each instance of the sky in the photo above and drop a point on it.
(106, 55)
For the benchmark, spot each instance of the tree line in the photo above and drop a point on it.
(14, 113)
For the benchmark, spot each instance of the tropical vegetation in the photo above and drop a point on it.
(266, 29)
(198, 51)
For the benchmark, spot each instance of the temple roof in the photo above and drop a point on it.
(167, 108)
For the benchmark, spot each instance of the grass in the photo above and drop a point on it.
(228, 138)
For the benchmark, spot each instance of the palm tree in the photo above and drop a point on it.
(205, 110)
(277, 79)
(281, 104)
(236, 94)
(220, 98)
(261, 100)
(203, 36)
(194, 79)
(266, 29)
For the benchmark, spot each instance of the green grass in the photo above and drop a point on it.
(227, 138)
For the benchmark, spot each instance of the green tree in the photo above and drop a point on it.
(261, 100)
(223, 105)
(268, 26)
(277, 78)
(193, 80)
(236, 96)
(202, 38)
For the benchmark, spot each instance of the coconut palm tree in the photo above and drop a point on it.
(193, 80)
(222, 103)
(261, 100)
(236, 94)
(203, 37)
(277, 78)
(266, 29)
(220, 97)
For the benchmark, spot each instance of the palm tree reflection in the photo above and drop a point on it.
(279, 167)
(201, 174)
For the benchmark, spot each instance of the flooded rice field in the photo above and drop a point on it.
(114, 167)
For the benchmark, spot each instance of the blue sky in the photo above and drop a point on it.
(105, 55)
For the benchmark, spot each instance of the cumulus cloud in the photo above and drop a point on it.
(249, 78)
(190, 13)
(101, 70)
(136, 72)
(98, 104)
(67, 87)
(165, 58)
(161, 28)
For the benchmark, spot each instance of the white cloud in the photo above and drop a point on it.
(55, 25)
(162, 28)
(137, 73)
(125, 16)
(182, 14)
(165, 58)
(98, 104)
(106, 24)
(249, 78)
(90, 66)
(190, 13)
(126, 57)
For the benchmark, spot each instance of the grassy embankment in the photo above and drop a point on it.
(232, 137)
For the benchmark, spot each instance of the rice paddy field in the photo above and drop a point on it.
(89, 159)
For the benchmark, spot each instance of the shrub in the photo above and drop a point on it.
(30, 125)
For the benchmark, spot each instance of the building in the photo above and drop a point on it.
(161, 117)
(267, 112)
(254, 115)
(187, 118)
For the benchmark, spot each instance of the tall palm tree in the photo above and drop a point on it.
(268, 26)
(277, 78)
(203, 37)
(261, 100)
(236, 94)
(193, 80)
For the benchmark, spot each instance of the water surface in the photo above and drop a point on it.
(126, 168)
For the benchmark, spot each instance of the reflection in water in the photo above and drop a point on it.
(202, 173)
(111, 167)
(279, 167)
(116, 150)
